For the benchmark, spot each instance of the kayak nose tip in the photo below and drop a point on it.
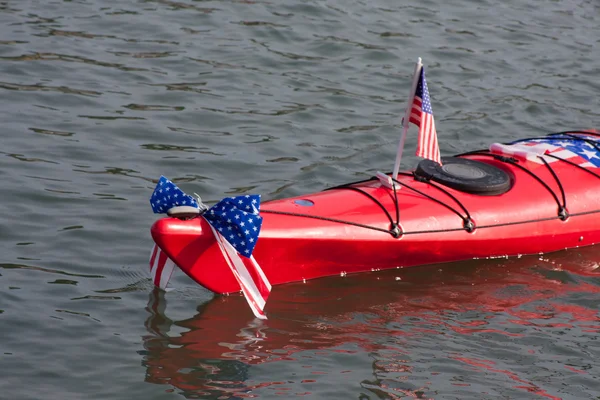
(174, 233)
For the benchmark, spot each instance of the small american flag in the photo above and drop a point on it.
(422, 116)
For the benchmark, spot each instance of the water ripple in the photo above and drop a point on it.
(69, 58)
(45, 88)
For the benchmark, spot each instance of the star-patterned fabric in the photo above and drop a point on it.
(167, 195)
(236, 218)
(580, 149)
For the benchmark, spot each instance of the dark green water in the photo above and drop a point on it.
(99, 98)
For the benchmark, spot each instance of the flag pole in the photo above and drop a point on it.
(411, 95)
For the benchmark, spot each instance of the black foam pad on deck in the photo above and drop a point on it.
(466, 175)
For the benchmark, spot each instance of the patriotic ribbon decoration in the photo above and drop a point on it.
(576, 148)
(167, 195)
(236, 223)
(237, 219)
(161, 267)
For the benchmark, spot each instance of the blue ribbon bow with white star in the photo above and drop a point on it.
(237, 218)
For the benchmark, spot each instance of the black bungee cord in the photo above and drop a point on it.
(468, 224)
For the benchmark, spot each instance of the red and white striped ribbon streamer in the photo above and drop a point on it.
(251, 278)
(161, 267)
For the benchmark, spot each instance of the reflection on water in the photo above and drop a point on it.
(392, 317)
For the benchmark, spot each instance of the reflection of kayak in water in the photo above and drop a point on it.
(532, 196)
(364, 313)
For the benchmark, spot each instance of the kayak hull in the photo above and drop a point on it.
(293, 260)
(349, 230)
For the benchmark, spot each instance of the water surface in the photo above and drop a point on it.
(99, 98)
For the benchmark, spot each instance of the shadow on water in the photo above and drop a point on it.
(220, 344)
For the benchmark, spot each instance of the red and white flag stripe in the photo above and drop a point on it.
(251, 278)
(428, 146)
(161, 267)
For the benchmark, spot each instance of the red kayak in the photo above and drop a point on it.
(531, 196)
